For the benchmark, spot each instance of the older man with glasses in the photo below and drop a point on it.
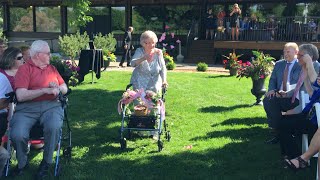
(37, 86)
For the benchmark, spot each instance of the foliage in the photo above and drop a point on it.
(80, 9)
(71, 45)
(66, 69)
(106, 43)
(109, 56)
(202, 67)
(168, 41)
(232, 61)
(260, 67)
(170, 64)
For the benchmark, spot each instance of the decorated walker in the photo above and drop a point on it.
(142, 111)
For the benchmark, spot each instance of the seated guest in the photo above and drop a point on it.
(25, 50)
(284, 75)
(11, 60)
(4, 102)
(150, 71)
(295, 123)
(37, 85)
(3, 46)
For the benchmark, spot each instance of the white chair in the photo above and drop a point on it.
(305, 143)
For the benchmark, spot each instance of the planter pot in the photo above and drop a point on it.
(233, 71)
(258, 90)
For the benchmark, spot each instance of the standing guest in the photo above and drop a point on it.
(150, 72)
(210, 24)
(284, 75)
(235, 24)
(127, 47)
(25, 50)
(37, 85)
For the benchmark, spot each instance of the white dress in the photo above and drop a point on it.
(148, 76)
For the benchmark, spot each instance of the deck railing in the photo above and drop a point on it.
(273, 29)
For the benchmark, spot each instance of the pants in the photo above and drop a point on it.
(274, 106)
(291, 128)
(49, 114)
(126, 56)
(4, 155)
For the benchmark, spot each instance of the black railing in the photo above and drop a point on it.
(273, 29)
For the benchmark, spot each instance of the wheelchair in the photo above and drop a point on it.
(36, 135)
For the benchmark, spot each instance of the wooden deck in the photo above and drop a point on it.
(258, 45)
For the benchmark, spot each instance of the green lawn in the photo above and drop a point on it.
(213, 113)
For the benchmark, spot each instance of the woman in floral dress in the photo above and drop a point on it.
(150, 72)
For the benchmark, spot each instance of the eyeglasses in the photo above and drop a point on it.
(19, 58)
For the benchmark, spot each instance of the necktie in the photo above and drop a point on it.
(299, 83)
(285, 77)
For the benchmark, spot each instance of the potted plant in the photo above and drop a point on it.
(232, 63)
(71, 45)
(107, 43)
(170, 65)
(66, 69)
(258, 69)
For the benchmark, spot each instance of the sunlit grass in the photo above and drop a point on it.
(216, 133)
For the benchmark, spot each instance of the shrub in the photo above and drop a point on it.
(202, 67)
(106, 43)
(171, 65)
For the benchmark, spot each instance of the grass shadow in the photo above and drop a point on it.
(219, 76)
(242, 121)
(214, 109)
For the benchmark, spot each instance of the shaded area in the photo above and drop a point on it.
(214, 109)
(242, 121)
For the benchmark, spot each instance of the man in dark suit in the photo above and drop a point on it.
(127, 46)
(284, 76)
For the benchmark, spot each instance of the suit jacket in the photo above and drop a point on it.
(127, 40)
(277, 74)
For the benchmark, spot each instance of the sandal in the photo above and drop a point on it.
(302, 164)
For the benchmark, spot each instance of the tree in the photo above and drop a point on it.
(80, 9)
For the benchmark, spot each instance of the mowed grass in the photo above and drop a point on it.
(210, 113)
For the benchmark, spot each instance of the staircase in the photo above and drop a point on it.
(201, 51)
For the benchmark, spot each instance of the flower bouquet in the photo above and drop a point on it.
(232, 61)
(258, 68)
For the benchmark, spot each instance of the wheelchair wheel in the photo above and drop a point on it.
(67, 152)
(58, 170)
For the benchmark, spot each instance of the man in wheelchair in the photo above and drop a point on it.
(37, 85)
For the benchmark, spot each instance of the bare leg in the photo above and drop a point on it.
(207, 33)
(211, 33)
(314, 147)
(237, 34)
(232, 33)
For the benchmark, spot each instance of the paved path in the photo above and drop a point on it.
(217, 69)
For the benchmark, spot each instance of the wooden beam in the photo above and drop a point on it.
(259, 45)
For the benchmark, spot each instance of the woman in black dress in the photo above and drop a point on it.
(210, 24)
(236, 12)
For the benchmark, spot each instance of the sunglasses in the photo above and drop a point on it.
(19, 58)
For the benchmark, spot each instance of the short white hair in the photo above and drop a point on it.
(38, 46)
(148, 35)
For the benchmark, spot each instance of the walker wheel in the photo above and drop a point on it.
(168, 136)
(67, 152)
(160, 146)
(123, 143)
